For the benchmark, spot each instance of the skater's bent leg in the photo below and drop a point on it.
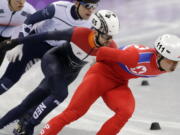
(85, 95)
(44, 108)
(12, 74)
(58, 89)
(122, 102)
(30, 101)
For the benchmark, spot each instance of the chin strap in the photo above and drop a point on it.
(159, 61)
(98, 44)
(77, 11)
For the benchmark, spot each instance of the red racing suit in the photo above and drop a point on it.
(108, 79)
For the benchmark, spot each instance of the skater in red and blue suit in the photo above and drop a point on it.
(109, 77)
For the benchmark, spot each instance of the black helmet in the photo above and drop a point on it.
(89, 1)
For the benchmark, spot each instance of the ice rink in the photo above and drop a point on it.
(141, 22)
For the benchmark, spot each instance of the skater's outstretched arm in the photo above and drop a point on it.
(53, 35)
(118, 55)
(41, 15)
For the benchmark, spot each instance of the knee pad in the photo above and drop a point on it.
(5, 84)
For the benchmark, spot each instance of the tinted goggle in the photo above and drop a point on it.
(89, 5)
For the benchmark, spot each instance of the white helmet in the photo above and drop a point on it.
(168, 46)
(106, 22)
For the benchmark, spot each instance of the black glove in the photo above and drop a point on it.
(8, 44)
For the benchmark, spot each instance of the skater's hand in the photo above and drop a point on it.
(8, 44)
(15, 54)
(4, 44)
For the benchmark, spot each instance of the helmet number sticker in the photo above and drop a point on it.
(160, 47)
(108, 15)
